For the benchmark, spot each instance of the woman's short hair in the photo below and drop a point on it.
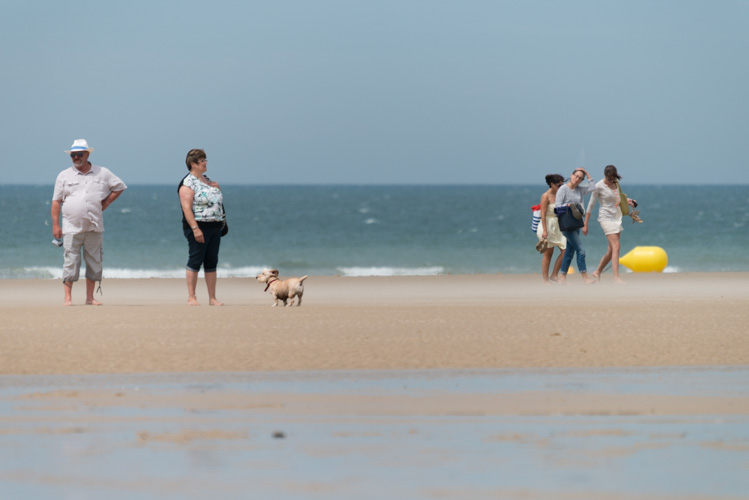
(194, 156)
(610, 171)
(552, 179)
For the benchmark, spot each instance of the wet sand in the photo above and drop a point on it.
(634, 434)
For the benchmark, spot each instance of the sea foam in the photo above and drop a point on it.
(123, 273)
(391, 271)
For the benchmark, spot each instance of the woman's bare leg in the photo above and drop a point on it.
(557, 266)
(545, 262)
(210, 282)
(604, 262)
(192, 283)
(614, 249)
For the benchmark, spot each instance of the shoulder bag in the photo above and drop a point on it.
(225, 229)
(567, 221)
(623, 204)
(536, 209)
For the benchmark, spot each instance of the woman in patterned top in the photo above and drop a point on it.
(202, 221)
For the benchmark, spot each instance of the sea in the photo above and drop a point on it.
(382, 230)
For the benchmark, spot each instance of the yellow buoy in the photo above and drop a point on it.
(645, 260)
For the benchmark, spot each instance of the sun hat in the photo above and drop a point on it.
(80, 145)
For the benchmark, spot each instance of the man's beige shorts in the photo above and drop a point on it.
(91, 244)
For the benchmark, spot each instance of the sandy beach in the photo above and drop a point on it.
(438, 387)
(437, 322)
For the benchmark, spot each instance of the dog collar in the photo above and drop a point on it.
(269, 282)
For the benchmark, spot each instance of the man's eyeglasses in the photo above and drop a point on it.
(78, 154)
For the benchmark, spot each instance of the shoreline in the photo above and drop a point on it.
(398, 323)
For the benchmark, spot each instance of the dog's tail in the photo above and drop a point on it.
(301, 280)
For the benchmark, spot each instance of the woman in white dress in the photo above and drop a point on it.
(548, 229)
(610, 217)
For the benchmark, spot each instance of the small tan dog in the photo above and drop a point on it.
(284, 290)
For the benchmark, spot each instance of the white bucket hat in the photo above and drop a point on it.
(80, 145)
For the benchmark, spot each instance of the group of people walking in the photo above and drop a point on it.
(83, 191)
(562, 196)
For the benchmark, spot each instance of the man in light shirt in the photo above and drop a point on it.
(82, 193)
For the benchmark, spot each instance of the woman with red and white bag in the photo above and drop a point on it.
(548, 232)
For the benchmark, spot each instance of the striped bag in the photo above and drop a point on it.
(536, 217)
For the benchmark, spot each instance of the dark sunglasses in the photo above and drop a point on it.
(78, 154)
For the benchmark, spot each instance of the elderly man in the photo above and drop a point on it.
(82, 193)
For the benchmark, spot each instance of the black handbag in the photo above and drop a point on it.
(567, 221)
(225, 229)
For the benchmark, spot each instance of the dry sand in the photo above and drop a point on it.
(440, 322)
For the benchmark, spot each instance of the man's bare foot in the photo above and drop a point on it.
(619, 281)
(93, 302)
(192, 301)
(562, 279)
(596, 276)
(68, 287)
(215, 302)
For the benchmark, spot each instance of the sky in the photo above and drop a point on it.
(378, 91)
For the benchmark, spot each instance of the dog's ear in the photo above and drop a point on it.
(274, 272)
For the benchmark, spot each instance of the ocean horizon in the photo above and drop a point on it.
(374, 230)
